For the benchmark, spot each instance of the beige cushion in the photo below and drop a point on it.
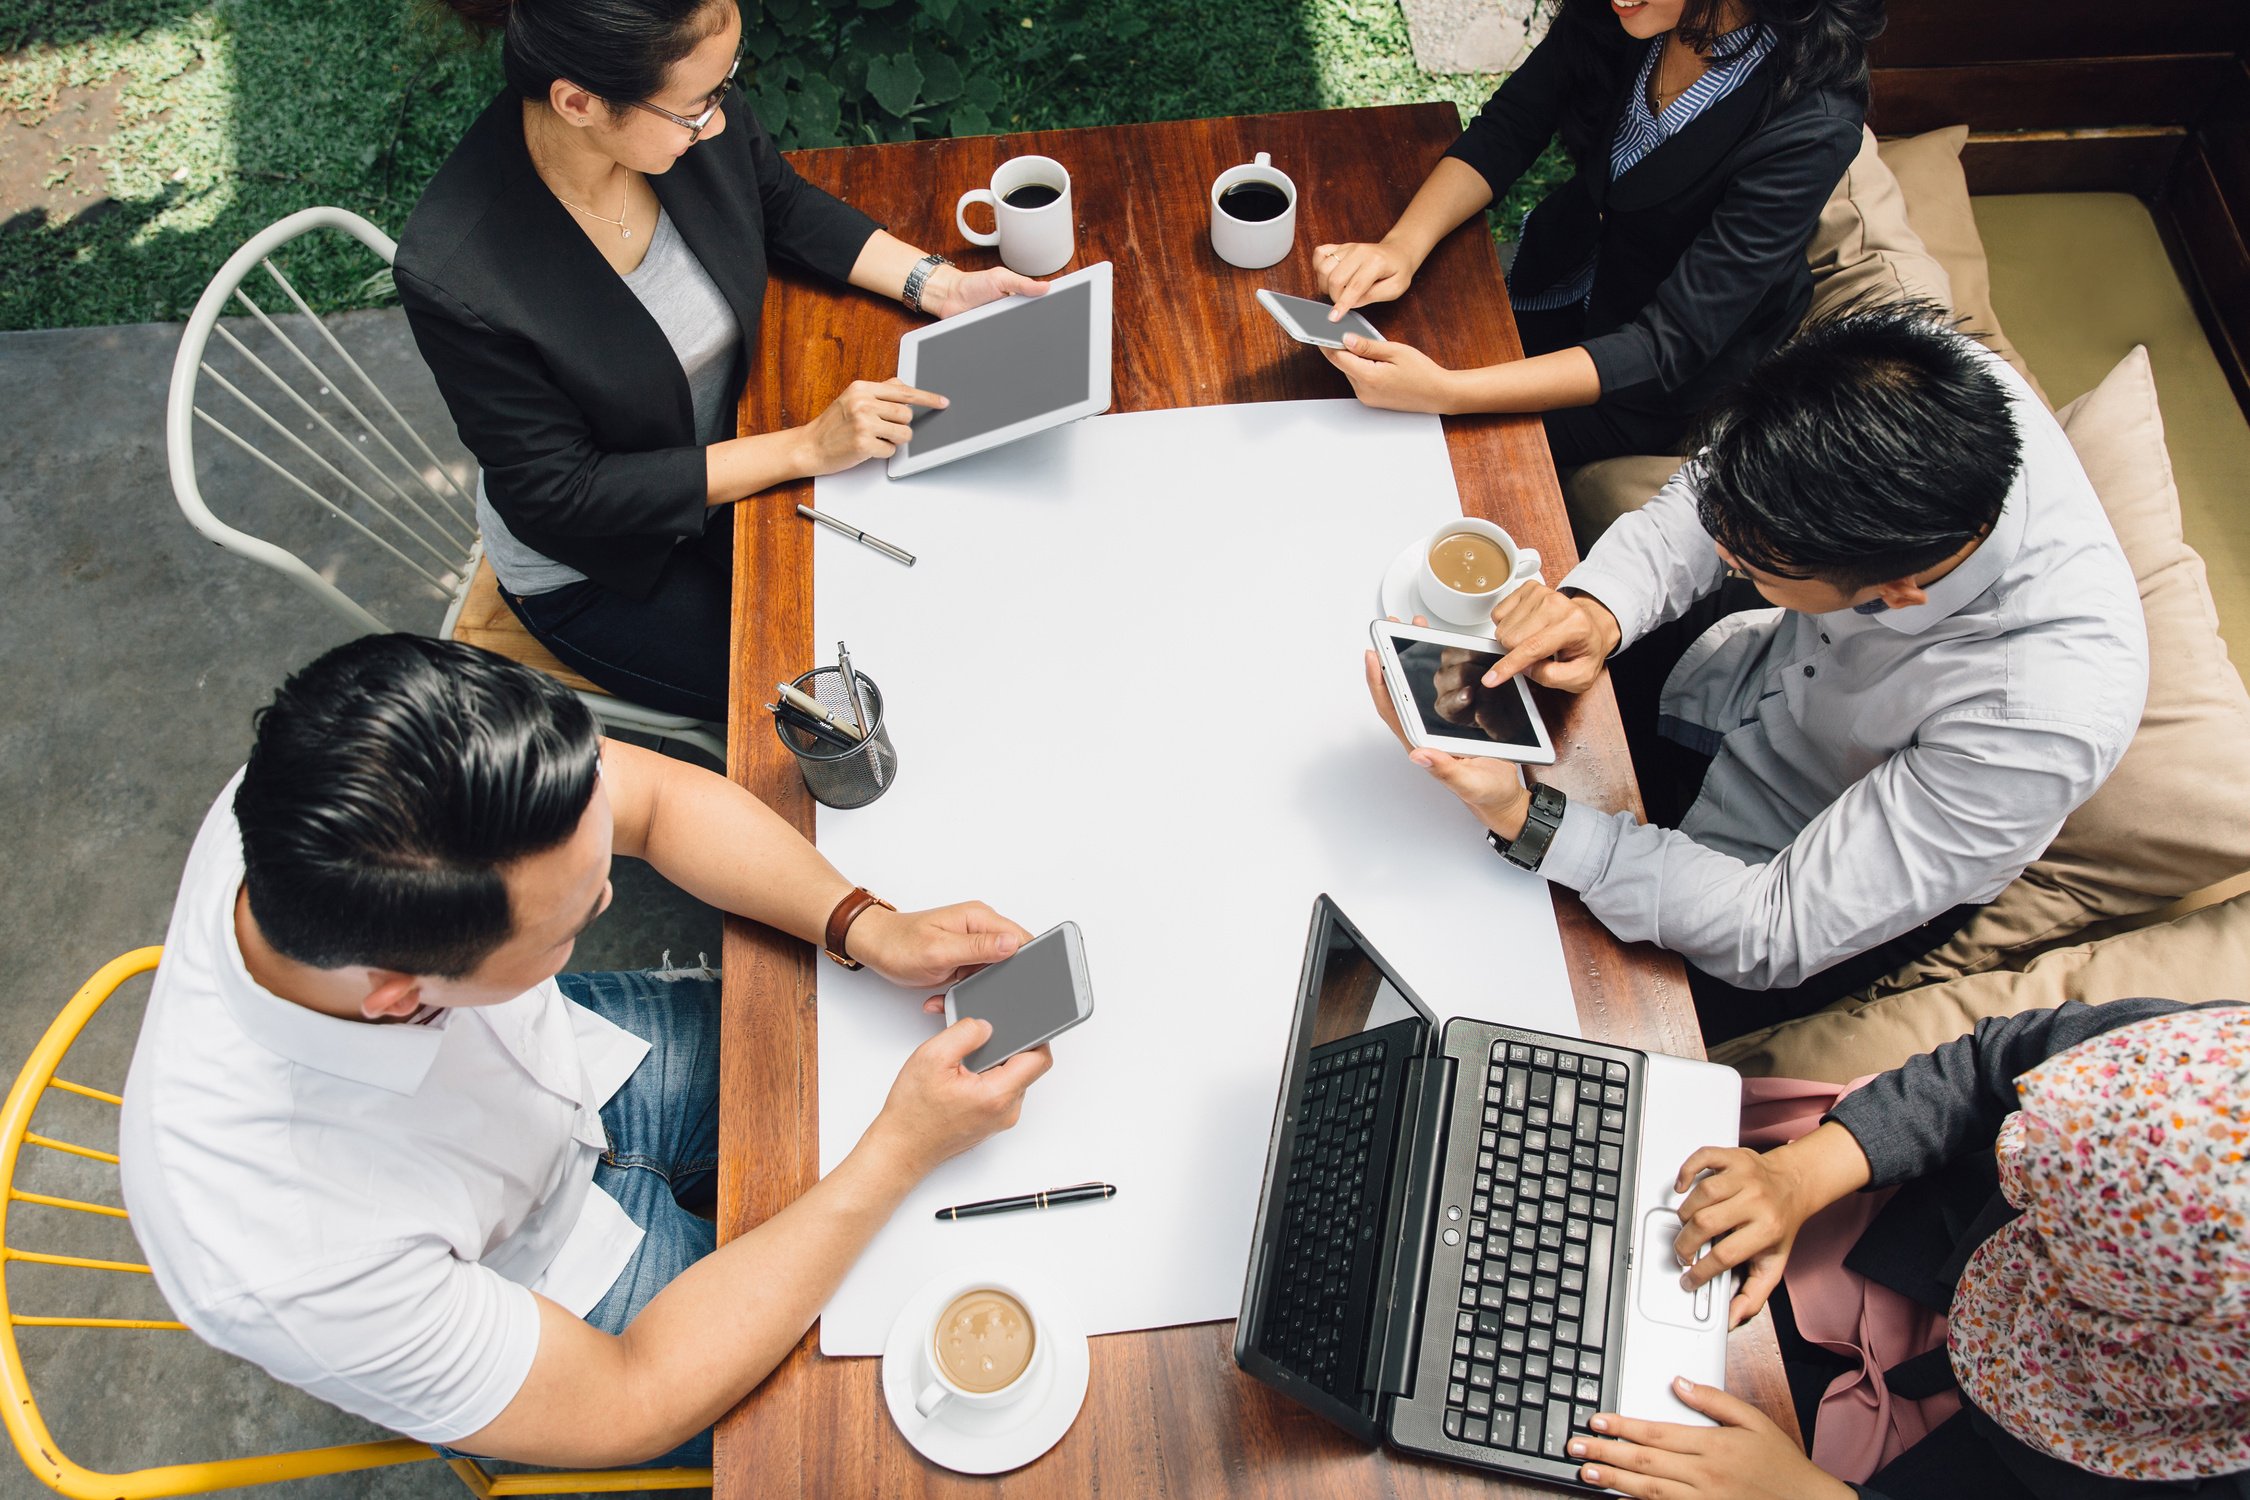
(2202, 956)
(1928, 171)
(1865, 247)
(1598, 493)
(2175, 816)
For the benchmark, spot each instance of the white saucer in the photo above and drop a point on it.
(1401, 594)
(975, 1441)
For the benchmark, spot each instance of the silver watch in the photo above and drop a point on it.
(919, 278)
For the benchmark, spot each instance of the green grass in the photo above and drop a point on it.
(236, 112)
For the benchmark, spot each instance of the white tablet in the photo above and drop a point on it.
(1018, 366)
(1429, 672)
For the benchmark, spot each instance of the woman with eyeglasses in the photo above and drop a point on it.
(584, 276)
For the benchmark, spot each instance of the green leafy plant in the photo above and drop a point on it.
(843, 72)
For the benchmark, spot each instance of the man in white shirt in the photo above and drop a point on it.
(374, 1144)
(1954, 660)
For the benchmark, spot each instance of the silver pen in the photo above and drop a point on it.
(851, 689)
(808, 704)
(822, 518)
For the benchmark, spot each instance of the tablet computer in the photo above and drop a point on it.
(1007, 370)
(1436, 680)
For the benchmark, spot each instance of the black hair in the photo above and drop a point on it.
(1876, 443)
(1818, 44)
(617, 50)
(388, 784)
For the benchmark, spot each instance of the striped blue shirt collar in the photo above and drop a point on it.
(1641, 132)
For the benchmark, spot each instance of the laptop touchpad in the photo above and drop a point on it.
(1658, 1292)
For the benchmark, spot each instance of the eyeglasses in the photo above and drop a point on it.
(695, 125)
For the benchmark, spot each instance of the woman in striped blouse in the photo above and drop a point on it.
(1706, 135)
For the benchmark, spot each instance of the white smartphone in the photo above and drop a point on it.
(1436, 680)
(1032, 997)
(1306, 321)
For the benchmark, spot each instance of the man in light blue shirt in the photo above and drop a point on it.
(1951, 659)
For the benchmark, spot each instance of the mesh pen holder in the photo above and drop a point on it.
(837, 775)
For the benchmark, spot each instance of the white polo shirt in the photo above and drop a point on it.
(365, 1210)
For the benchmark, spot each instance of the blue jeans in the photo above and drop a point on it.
(663, 1158)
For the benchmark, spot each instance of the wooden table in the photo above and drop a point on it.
(1168, 1413)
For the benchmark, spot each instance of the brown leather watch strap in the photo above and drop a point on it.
(848, 911)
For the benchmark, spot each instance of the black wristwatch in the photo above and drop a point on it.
(1539, 825)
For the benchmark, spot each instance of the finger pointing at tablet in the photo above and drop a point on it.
(1557, 640)
(868, 420)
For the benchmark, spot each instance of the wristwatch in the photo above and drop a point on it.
(1539, 824)
(848, 911)
(918, 278)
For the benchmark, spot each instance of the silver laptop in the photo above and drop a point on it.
(1464, 1244)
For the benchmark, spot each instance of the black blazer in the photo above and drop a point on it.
(558, 379)
(1699, 250)
(1928, 1129)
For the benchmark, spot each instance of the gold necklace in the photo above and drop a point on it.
(619, 221)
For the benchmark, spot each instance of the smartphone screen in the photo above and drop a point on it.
(1027, 998)
(1307, 320)
(1438, 674)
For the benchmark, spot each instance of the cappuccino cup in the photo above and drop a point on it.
(984, 1348)
(1031, 215)
(1470, 565)
(1253, 214)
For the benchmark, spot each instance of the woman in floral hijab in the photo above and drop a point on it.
(2071, 1227)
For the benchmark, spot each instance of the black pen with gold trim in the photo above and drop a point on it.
(1084, 1192)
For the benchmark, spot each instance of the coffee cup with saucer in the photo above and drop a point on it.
(1410, 587)
(991, 1431)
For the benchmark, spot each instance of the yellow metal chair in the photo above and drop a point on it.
(19, 1411)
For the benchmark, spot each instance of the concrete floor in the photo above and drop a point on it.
(135, 655)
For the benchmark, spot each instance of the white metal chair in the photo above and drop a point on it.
(411, 508)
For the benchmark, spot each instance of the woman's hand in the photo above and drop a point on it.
(1395, 377)
(1745, 1457)
(1752, 1205)
(951, 290)
(869, 420)
(1355, 275)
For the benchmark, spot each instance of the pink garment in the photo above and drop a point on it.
(1862, 1426)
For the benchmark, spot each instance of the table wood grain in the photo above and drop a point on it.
(1168, 1414)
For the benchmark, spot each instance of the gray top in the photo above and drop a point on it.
(702, 330)
(1872, 767)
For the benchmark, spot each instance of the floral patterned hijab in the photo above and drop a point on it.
(2109, 1325)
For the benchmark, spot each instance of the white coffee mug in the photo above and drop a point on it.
(1032, 241)
(938, 1388)
(1457, 607)
(1253, 243)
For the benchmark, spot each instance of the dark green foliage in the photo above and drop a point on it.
(232, 113)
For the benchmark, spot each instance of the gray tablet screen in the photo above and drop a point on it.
(997, 371)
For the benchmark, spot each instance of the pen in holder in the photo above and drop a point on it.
(842, 776)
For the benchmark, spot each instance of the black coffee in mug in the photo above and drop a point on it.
(1254, 202)
(1031, 195)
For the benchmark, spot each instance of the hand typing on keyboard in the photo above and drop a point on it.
(1746, 1457)
(1748, 1207)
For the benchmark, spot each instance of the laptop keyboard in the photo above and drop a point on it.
(1333, 1207)
(1531, 1321)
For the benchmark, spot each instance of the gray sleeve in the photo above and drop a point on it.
(1947, 1103)
(1963, 808)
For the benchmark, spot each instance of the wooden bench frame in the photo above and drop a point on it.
(2150, 98)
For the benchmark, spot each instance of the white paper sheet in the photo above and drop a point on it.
(1124, 682)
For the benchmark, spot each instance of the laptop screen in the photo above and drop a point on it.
(1326, 1221)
